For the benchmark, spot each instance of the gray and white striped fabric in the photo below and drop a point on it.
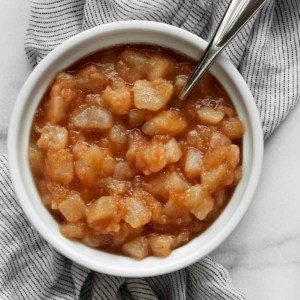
(266, 54)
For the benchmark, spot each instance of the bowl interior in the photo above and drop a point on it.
(82, 45)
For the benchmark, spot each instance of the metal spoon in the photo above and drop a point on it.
(237, 15)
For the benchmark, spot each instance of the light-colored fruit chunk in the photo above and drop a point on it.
(118, 100)
(132, 65)
(135, 58)
(36, 159)
(104, 214)
(194, 139)
(161, 245)
(91, 78)
(218, 139)
(118, 136)
(173, 150)
(208, 115)
(175, 182)
(96, 241)
(193, 163)
(53, 137)
(155, 185)
(92, 117)
(168, 122)
(117, 187)
(200, 137)
(198, 201)
(73, 208)
(107, 65)
(179, 83)
(137, 248)
(95, 100)
(228, 155)
(123, 171)
(181, 239)
(152, 95)
(137, 214)
(101, 209)
(108, 166)
(178, 213)
(58, 194)
(155, 207)
(91, 163)
(217, 177)
(59, 166)
(135, 64)
(232, 128)
(153, 156)
(160, 66)
(61, 96)
(227, 109)
(162, 184)
(136, 140)
(73, 230)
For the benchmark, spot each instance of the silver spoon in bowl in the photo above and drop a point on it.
(236, 16)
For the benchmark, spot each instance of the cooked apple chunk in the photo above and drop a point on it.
(193, 163)
(91, 79)
(161, 245)
(160, 66)
(210, 116)
(72, 208)
(232, 128)
(169, 122)
(104, 215)
(217, 177)
(152, 95)
(92, 117)
(155, 155)
(91, 163)
(62, 94)
(59, 166)
(132, 65)
(118, 100)
(198, 201)
(53, 137)
(137, 214)
(228, 155)
(73, 230)
(137, 248)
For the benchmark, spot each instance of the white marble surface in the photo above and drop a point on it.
(262, 254)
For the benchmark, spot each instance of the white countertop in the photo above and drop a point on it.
(263, 253)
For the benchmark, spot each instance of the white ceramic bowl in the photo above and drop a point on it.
(91, 41)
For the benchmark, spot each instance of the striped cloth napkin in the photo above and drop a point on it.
(266, 54)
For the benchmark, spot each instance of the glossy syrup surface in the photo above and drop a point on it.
(125, 166)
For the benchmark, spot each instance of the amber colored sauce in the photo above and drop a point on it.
(208, 90)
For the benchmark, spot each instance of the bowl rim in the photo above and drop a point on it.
(14, 126)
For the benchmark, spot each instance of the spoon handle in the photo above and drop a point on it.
(236, 16)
